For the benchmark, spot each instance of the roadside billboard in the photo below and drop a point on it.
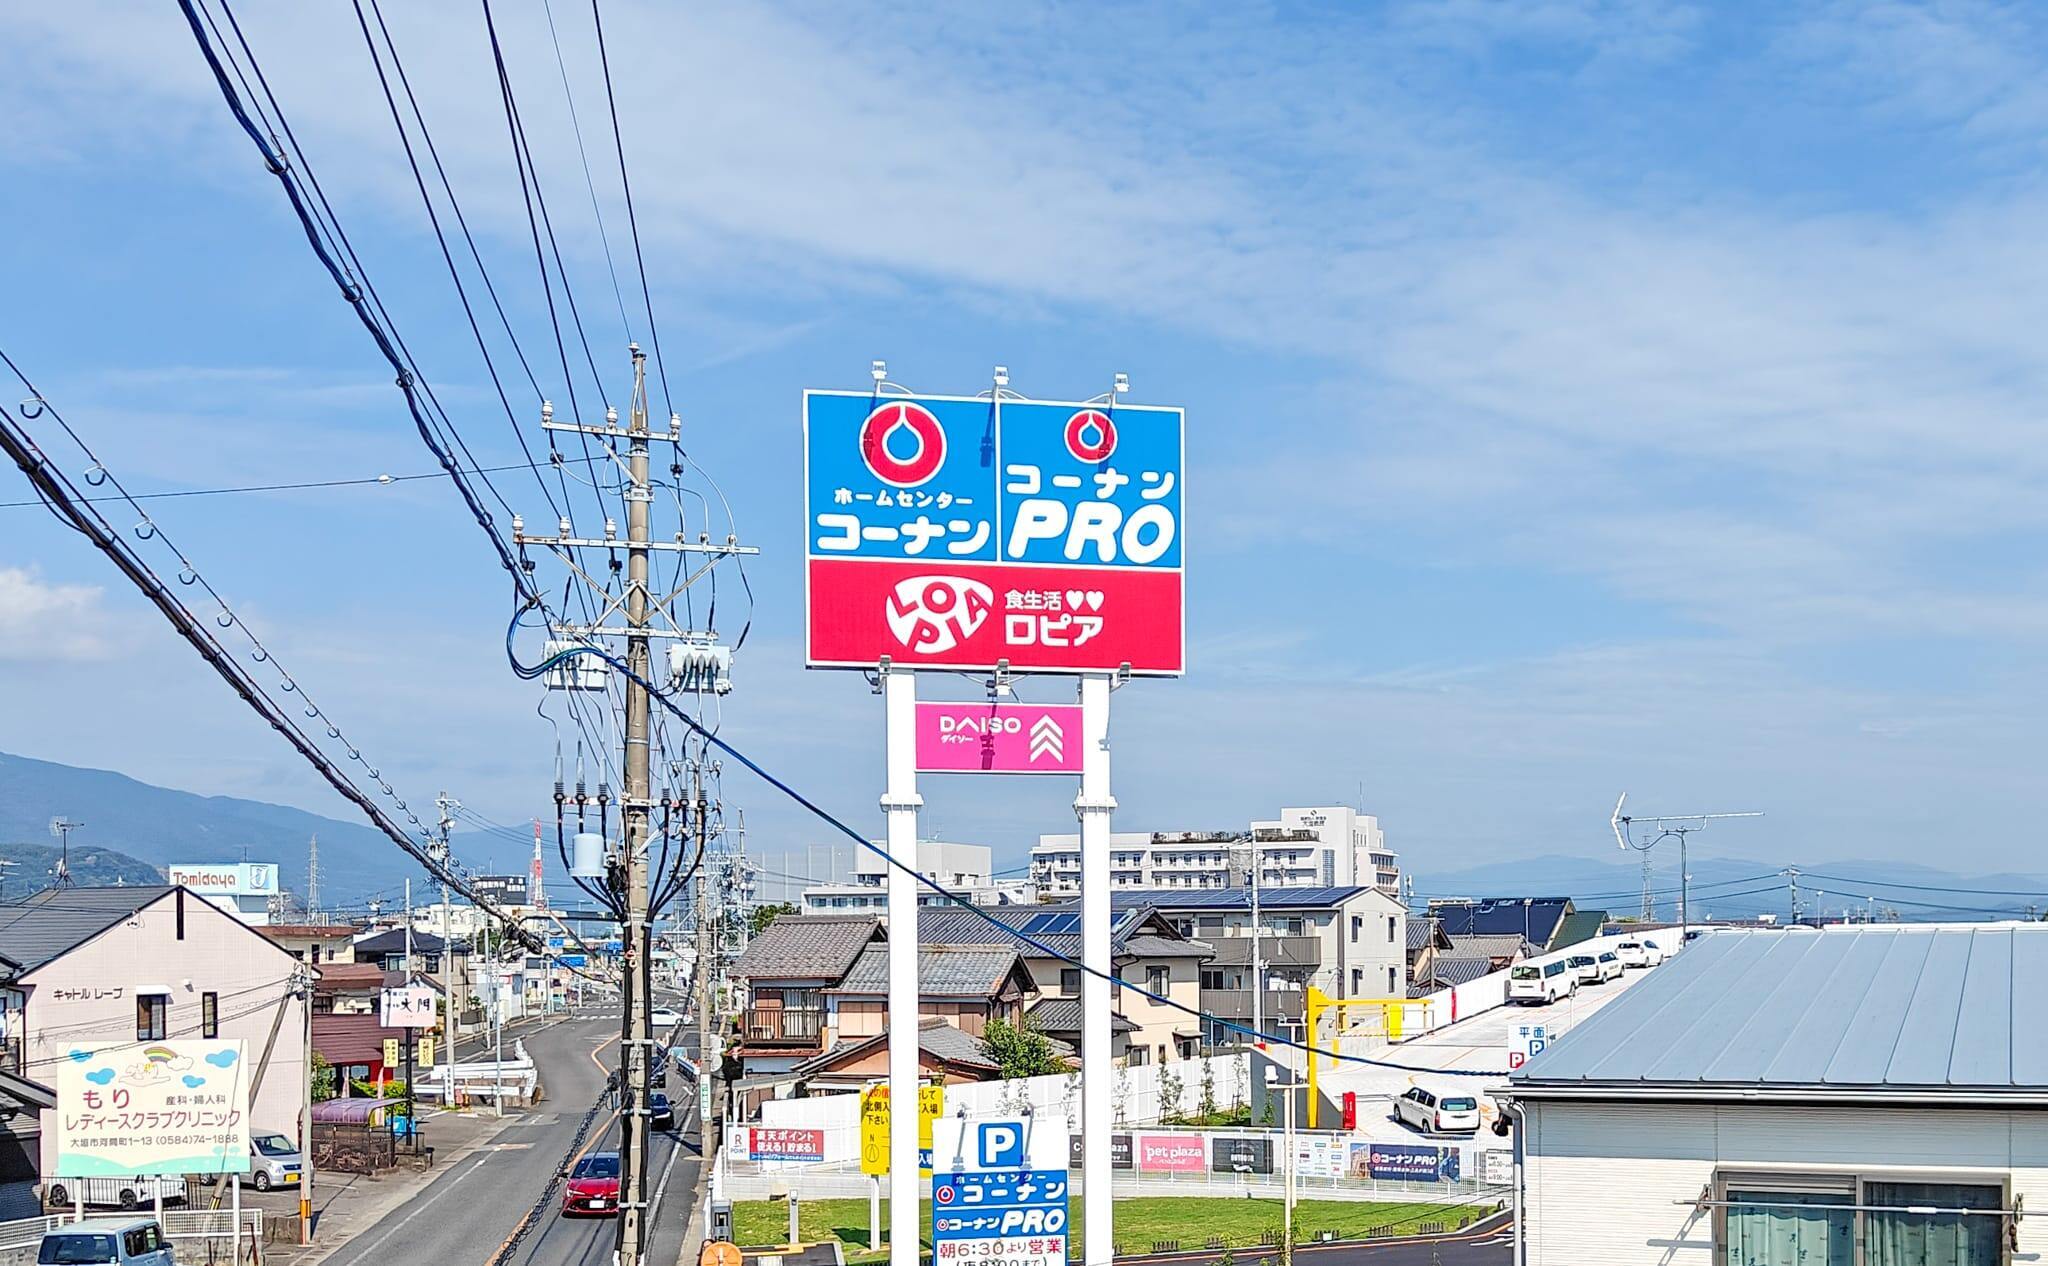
(998, 738)
(874, 1127)
(171, 1107)
(1406, 1162)
(956, 532)
(778, 1144)
(407, 1007)
(999, 1193)
(1241, 1154)
(1172, 1153)
(226, 879)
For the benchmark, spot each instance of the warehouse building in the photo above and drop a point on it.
(1871, 1095)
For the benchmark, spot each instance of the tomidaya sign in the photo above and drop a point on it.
(953, 532)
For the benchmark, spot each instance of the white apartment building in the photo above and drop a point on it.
(967, 869)
(1303, 848)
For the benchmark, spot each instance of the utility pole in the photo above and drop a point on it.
(62, 827)
(701, 819)
(1798, 909)
(646, 615)
(412, 1121)
(447, 804)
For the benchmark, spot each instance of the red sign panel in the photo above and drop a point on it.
(767, 1143)
(1172, 1153)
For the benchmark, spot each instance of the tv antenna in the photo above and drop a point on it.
(1658, 830)
(62, 827)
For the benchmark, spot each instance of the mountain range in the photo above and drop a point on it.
(160, 827)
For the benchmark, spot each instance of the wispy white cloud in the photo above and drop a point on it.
(42, 621)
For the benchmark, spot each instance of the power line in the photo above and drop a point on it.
(298, 486)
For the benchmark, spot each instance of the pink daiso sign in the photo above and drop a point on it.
(1174, 1153)
(998, 738)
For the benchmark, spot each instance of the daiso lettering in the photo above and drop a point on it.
(979, 726)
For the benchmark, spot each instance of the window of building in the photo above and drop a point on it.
(152, 1017)
(1357, 927)
(1818, 1220)
(1212, 979)
(1070, 981)
(1391, 930)
(209, 1014)
(1155, 979)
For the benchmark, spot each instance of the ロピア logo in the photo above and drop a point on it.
(882, 425)
(934, 614)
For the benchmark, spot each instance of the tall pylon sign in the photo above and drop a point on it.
(1006, 535)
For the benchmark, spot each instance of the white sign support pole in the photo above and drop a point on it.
(900, 804)
(1093, 806)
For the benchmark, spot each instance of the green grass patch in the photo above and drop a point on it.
(1141, 1221)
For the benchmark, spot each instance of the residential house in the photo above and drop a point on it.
(1866, 1095)
(1577, 927)
(1426, 939)
(945, 1055)
(964, 985)
(315, 943)
(391, 949)
(1536, 920)
(783, 977)
(1349, 941)
(114, 966)
(1146, 949)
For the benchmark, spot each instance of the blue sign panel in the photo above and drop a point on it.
(1406, 1162)
(571, 960)
(1011, 1217)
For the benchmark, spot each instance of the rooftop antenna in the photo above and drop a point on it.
(1660, 829)
(62, 827)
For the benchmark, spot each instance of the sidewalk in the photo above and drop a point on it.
(345, 1205)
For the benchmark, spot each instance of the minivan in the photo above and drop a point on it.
(1437, 1114)
(1539, 984)
(106, 1242)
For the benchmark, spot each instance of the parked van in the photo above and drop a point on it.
(1541, 983)
(106, 1242)
(1633, 953)
(115, 1193)
(1431, 1113)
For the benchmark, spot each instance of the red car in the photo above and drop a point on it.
(593, 1185)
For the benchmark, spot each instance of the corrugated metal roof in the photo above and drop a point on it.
(1150, 945)
(807, 947)
(1535, 917)
(943, 971)
(1422, 932)
(1889, 1006)
(1456, 969)
(56, 921)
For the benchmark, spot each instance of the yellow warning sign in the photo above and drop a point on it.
(874, 1127)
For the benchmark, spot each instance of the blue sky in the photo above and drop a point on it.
(1582, 396)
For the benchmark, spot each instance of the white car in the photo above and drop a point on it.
(1655, 950)
(666, 1018)
(1593, 969)
(1431, 1113)
(1634, 954)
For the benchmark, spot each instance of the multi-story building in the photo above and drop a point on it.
(1303, 848)
(967, 869)
(1350, 941)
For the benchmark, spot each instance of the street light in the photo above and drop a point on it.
(1273, 1083)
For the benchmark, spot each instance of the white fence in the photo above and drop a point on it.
(1142, 1096)
(482, 1079)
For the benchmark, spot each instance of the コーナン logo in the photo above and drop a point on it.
(933, 614)
(883, 424)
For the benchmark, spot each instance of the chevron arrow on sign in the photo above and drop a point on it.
(1047, 738)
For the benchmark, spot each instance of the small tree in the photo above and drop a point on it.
(323, 1078)
(1208, 1091)
(1169, 1095)
(762, 916)
(1020, 1050)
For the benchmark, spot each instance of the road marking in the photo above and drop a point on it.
(432, 1194)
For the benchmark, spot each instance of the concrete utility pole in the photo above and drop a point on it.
(701, 986)
(451, 1009)
(646, 615)
(633, 809)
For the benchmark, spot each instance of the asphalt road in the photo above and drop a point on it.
(467, 1213)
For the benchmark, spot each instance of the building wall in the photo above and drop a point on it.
(1613, 1184)
(1160, 1027)
(217, 954)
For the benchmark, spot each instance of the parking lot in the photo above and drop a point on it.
(1466, 1058)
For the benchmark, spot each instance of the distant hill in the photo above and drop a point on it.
(149, 826)
(33, 867)
(1738, 887)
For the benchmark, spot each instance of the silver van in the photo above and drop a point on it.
(106, 1242)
